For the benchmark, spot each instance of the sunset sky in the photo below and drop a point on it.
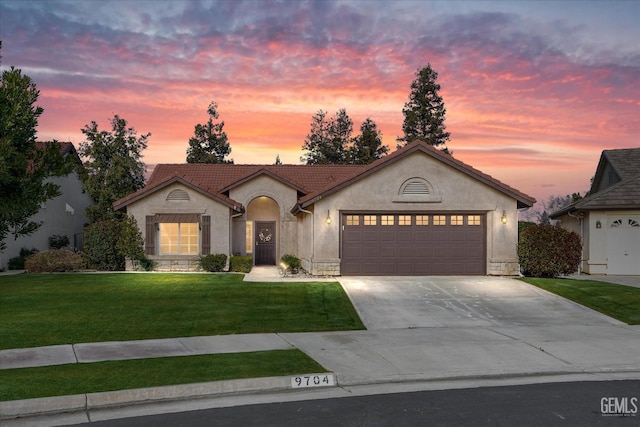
(534, 90)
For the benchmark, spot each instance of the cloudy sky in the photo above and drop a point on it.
(534, 90)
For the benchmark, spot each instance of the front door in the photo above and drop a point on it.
(265, 238)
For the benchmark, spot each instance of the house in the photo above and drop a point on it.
(62, 215)
(608, 219)
(417, 211)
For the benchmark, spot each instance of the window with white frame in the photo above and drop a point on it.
(179, 238)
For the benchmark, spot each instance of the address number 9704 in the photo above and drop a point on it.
(313, 380)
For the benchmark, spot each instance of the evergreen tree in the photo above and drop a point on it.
(25, 165)
(424, 113)
(328, 140)
(209, 143)
(367, 147)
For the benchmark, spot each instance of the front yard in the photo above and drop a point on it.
(50, 309)
(617, 301)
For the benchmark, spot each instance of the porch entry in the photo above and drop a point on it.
(265, 238)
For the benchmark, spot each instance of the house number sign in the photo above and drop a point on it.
(313, 380)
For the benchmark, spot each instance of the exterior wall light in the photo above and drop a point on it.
(598, 224)
(503, 218)
(328, 217)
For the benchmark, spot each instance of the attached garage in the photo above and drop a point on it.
(409, 243)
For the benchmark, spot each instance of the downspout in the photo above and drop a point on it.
(580, 219)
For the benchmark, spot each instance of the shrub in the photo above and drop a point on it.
(101, 246)
(146, 263)
(58, 241)
(54, 261)
(130, 243)
(240, 264)
(292, 262)
(213, 262)
(17, 263)
(549, 251)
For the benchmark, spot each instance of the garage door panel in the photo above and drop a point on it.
(414, 249)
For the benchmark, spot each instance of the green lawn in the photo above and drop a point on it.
(49, 309)
(28, 383)
(617, 301)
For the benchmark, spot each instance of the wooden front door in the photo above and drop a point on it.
(265, 238)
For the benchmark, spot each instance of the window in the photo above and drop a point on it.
(473, 220)
(457, 220)
(621, 223)
(387, 219)
(439, 220)
(249, 237)
(353, 220)
(179, 238)
(370, 220)
(404, 219)
(422, 219)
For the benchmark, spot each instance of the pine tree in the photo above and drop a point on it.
(424, 113)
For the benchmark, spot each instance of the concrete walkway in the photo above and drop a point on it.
(482, 341)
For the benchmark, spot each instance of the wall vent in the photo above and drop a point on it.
(178, 195)
(415, 188)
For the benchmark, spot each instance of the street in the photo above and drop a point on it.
(595, 403)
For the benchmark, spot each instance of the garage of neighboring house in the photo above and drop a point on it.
(410, 243)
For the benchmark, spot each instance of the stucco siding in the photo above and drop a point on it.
(157, 203)
(63, 215)
(453, 191)
(283, 195)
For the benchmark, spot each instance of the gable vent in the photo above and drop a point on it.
(414, 188)
(178, 195)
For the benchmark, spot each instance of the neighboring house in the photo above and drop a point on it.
(416, 211)
(608, 219)
(62, 215)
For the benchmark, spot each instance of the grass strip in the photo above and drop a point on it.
(617, 301)
(80, 378)
(51, 309)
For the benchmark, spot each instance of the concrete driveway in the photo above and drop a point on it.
(460, 301)
(431, 328)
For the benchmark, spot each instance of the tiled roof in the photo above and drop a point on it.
(311, 181)
(522, 199)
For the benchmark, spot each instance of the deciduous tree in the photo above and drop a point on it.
(113, 165)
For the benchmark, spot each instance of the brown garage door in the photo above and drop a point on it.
(413, 244)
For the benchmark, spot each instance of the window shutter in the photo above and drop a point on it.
(150, 235)
(206, 234)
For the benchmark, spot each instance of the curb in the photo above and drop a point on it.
(85, 403)
(112, 399)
